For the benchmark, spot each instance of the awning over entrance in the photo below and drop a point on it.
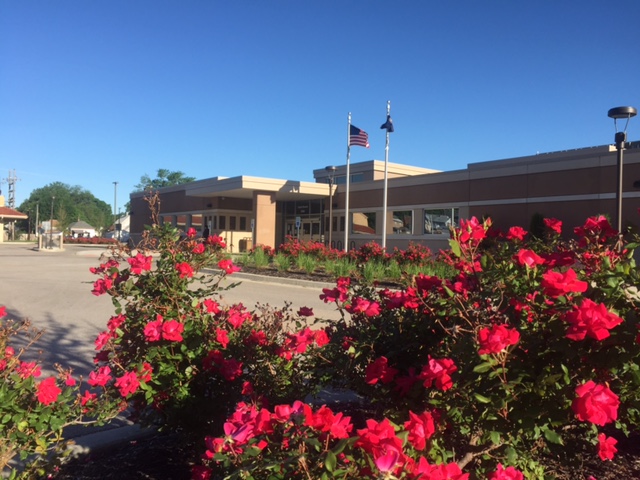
(244, 187)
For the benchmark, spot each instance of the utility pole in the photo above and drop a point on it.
(11, 201)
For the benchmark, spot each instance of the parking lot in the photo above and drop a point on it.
(52, 288)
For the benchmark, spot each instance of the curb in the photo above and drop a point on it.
(256, 277)
(105, 439)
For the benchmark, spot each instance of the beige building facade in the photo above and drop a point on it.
(421, 203)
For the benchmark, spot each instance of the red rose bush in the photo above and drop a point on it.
(530, 347)
(174, 348)
(36, 408)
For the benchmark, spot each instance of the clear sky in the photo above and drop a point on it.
(93, 92)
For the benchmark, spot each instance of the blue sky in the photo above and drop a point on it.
(93, 92)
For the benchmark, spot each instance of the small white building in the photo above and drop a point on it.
(82, 229)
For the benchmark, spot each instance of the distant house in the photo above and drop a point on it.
(8, 214)
(82, 229)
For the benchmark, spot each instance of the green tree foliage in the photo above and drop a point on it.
(165, 178)
(71, 204)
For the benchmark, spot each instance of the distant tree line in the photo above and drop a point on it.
(70, 204)
(73, 203)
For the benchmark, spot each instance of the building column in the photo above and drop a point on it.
(264, 209)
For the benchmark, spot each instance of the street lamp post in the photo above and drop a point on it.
(620, 139)
(331, 171)
(53, 199)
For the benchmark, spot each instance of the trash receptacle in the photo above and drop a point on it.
(245, 244)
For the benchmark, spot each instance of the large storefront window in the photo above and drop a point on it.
(403, 222)
(438, 221)
(364, 223)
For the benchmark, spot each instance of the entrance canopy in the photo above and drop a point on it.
(244, 187)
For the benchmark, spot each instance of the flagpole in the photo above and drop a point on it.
(346, 201)
(386, 170)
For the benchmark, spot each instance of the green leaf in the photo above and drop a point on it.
(330, 461)
(455, 248)
(482, 398)
(553, 437)
(495, 437)
(482, 367)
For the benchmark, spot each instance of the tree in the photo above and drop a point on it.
(165, 178)
(71, 204)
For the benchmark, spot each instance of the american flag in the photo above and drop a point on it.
(358, 137)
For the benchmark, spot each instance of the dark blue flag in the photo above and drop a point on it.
(388, 125)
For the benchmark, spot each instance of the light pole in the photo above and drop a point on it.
(53, 199)
(331, 171)
(115, 200)
(620, 139)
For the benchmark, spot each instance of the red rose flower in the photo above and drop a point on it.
(128, 383)
(380, 370)
(509, 473)
(102, 286)
(553, 224)
(516, 233)
(28, 369)
(47, 391)
(438, 370)
(100, 378)
(153, 330)
(595, 403)
(421, 428)
(529, 258)
(140, 263)
(496, 339)
(590, 320)
(172, 331)
(228, 266)
(556, 284)
(606, 447)
(184, 269)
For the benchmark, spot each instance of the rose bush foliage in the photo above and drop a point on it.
(35, 408)
(174, 348)
(532, 342)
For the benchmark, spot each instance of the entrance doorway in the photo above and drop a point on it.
(309, 229)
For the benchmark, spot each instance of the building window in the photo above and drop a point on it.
(243, 224)
(232, 222)
(181, 222)
(363, 223)
(342, 179)
(438, 221)
(335, 224)
(403, 222)
(214, 222)
(342, 223)
(222, 222)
